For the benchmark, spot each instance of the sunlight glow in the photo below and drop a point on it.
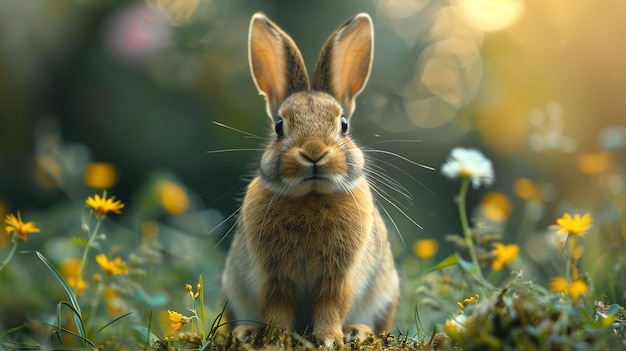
(491, 15)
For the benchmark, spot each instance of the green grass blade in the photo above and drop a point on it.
(66, 288)
(113, 321)
(55, 338)
(217, 323)
(149, 344)
(202, 311)
(80, 327)
(11, 330)
(68, 293)
(57, 334)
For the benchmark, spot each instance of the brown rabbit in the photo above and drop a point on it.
(311, 250)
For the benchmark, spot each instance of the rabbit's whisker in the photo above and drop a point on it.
(378, 191)
(224, 221)
(394, 226)
(385, 152)
(389, 196)
(230, 150)
(231, 227)
(389, 182)
(403, 172)
(393, 141)
(220, 124)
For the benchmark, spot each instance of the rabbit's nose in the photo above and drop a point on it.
(314, 151)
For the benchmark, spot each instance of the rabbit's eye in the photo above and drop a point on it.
(344, 125)
(279, 127)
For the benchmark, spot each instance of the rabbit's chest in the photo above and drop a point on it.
(307, 237)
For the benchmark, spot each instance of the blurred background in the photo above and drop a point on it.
(136, 86)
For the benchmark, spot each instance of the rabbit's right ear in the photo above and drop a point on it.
(276, 64)
(345, 61)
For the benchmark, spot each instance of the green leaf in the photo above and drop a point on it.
(78, 241)
(606, 322)
(456, 259)
(155, 300)
(449, 261)
(613, 309)
(82, 242)
(467, 265)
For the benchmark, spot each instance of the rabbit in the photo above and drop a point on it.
(310, 250)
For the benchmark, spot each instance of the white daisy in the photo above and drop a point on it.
(469, 163)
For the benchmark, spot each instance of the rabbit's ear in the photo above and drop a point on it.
(275, 62)
(345, 61)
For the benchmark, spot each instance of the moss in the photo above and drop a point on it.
(274, 340)
(517, 318)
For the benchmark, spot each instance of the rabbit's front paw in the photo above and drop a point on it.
(354, 331)
(329, 339)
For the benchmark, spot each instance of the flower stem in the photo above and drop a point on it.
(568, 264)
(469, 241)
(83, 261)
(6, 260)
(96, 301)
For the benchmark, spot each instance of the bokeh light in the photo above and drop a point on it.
(491, 15)
(100, 175)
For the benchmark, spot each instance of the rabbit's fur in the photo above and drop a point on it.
(311, 250)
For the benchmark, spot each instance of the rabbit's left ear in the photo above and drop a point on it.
(345, 61)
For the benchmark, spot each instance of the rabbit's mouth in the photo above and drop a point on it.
(312, 184)
(316, 178)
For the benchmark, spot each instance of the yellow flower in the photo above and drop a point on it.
(558, 284)
(527, 190)
(496, 206)
(114, 267)
(470, 300)
(114, 302)
(173, 198)
(102, 205)
(4, 240)
(69, 270)
(577, 288)
(594, 163)
(189, 289)
(574, 289)
(426, 248)
(21, 229)
(460, 306)
(82, 285)
(178, 320)
(454, 326)
(504, 255)
(100, 175)
(573, 226)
